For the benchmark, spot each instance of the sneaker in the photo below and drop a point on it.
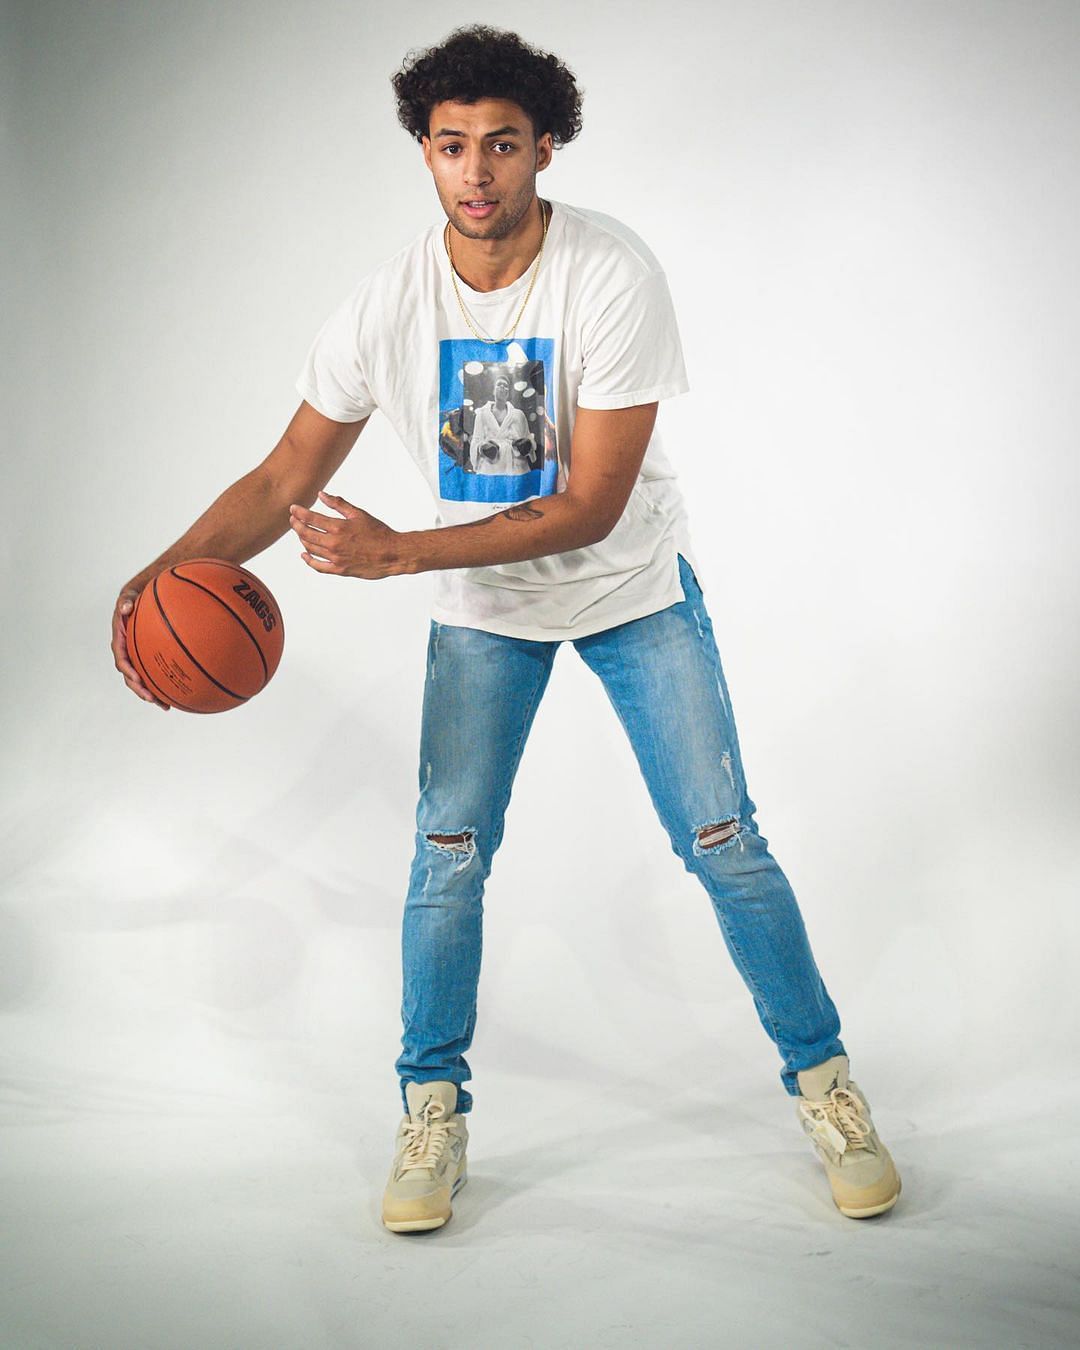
(429, 1164)
(836, 1116)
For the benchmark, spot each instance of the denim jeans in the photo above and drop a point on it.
(663, 676)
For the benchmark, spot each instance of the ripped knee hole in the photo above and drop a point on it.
(460, 843)
(712, 836)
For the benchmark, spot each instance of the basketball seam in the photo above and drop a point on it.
(240, 698)
(255, 641)
(165, 694)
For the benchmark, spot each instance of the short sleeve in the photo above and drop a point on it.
(332, 379)
(632, 352)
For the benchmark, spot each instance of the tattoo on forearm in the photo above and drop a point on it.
(525, 511)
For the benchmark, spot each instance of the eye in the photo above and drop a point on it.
(506, 145)
(447, 148)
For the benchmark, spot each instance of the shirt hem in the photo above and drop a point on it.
(334, 414)
(642, 610)
(603, 402)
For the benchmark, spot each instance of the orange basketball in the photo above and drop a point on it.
(205, 635)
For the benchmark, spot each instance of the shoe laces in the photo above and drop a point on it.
(425, 1138)
(840, 1119)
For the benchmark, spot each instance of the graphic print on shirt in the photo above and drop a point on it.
(497, 439)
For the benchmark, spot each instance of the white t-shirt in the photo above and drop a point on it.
(599, 331)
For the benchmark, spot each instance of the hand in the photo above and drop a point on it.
(125, 603)
(489, 450)
(358, 546)
(523, 445)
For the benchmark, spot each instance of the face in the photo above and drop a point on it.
(502, 390)
(484, 159)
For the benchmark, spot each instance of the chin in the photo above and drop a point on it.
(478, 229)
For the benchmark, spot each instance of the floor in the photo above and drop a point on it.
(229, 1199)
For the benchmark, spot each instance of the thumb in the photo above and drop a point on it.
(340, 505)
(126, 599)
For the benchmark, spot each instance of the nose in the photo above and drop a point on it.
(477, 169)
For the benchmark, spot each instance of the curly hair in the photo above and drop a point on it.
(478, 62)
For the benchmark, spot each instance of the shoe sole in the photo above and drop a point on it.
(425, 1225)
(871, 1210)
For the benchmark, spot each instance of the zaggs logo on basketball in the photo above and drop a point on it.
(258, 603)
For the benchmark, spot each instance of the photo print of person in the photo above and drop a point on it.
(501, 441)
(496, 420)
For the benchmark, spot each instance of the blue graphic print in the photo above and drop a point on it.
(497, 440)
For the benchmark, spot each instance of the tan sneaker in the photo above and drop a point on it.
(836, 1116)
(429, 1165)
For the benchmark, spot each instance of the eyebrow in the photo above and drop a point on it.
(499, 131)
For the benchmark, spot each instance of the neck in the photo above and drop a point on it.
(491, 264)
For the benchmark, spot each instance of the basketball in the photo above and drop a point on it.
(205, 635)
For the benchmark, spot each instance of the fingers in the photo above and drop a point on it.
(339, 547)
(321, 542)
(340, 504)
(312, 529)
(321, 549)
(314, 518)
(132, 680)
(321, 565)
(141, 690)
(121, 660)
(119, 640)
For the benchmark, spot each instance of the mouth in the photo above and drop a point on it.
(479, 207)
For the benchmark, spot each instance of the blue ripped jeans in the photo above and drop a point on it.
(663, 676)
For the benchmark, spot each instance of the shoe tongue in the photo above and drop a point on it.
(816, 1083)
(419, 1094)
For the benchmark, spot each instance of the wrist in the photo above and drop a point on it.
(408, 554)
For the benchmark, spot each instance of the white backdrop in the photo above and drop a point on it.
(867, 213)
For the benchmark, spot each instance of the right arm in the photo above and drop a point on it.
(248, 516)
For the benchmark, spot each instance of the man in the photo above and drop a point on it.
(500, 439)
(590, 547)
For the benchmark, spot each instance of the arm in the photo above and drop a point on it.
(606, 454)
(248, 516)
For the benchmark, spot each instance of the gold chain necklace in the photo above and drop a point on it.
(521, 311)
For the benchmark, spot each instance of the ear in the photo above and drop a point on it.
(545, 149)
(426, 143)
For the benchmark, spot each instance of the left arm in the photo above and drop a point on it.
(606, 452)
